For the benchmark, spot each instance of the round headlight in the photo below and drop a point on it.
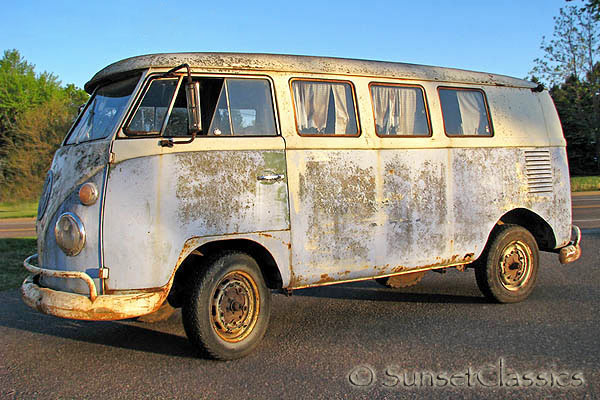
(45, 195)
(88, 194)
(69, 233)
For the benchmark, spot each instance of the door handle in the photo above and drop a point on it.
(270, 178)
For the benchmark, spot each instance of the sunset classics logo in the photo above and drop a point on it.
(492, 375)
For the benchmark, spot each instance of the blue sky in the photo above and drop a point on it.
(74, 39)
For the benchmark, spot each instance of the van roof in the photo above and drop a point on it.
(301, 64)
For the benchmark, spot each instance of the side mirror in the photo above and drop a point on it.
(192, 94)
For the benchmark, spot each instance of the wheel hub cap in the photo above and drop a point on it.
(235, 306)
(515, 265)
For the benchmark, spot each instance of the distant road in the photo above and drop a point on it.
(586, 210)
(17, 228)
(586, 215)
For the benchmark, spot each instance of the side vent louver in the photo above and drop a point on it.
(539, 171)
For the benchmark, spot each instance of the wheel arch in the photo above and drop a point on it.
(196, 256)
(536, 225)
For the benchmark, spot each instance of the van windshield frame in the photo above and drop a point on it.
(103, 112)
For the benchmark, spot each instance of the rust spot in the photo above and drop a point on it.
(188, 247)
(265, 235)
(455, 259)
(324, 279)
(391, 171)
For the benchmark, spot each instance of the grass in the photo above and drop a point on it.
(12, 254)
(26, 209)
(585, 183)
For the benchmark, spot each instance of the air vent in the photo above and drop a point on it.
(539, 171)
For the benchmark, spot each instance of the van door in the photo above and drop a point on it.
(230, 180)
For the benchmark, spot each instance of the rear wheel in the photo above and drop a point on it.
(507, 270)
(226, 311)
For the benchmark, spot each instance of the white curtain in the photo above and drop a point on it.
(312, 106)
(395, 110)
(341, 108)
(472, 111)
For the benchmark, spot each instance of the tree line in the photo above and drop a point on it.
(35, 113)
(571, 69)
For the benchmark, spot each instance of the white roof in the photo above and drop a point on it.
(302, 64)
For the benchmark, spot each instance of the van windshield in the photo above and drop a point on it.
(103, 111)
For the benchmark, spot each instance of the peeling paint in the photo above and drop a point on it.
(274, 62)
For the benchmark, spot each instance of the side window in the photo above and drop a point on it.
(399, 110)
(150, 115)
(244, 108)
(465, 112)
(324, 108)
(239, 107)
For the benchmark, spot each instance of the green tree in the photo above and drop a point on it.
(594, 7)
(577, 103)
(572, 50)
(35, 113)
(570, 67)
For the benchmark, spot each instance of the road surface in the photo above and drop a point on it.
(586, 210)
(357, 340)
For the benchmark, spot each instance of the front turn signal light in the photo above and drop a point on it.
(88, 194)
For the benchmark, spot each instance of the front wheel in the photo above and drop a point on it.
(226, 310)
(507, 270)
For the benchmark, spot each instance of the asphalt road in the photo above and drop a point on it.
(586, 214)
(348, 341)
(586, 210)
(17, 228)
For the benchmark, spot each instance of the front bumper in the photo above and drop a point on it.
(92, 307)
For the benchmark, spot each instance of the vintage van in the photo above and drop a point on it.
(206, 180)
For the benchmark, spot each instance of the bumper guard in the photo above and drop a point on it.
(92, 307)
(572, 251)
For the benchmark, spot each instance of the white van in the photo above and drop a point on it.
(206, 180)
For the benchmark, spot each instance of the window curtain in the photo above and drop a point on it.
(395, 110)
(341, 108)
(312, 106)
(472, 111)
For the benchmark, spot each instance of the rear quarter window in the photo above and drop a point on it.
(465, 112)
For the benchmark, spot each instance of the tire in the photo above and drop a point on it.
(507, 270)
(226, 309)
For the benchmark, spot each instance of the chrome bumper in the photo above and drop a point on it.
(92, 307)
(572, 251)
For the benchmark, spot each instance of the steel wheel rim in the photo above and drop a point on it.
(235, 306)
(515, 265)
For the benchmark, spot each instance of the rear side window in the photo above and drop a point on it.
(465, 112)
(399, 110)
(324, 108)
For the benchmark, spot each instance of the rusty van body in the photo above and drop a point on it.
(209, 179)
